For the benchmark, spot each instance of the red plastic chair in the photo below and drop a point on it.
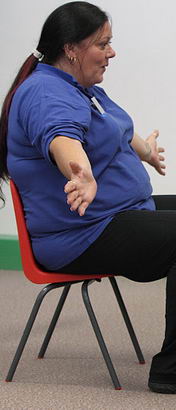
(56, 280)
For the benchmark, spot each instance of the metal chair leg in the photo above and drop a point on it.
(127, 320)
(28, 328)
(54, 321)
(98, 334)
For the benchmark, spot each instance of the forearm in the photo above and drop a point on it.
(74, 164)
(63, 150)
(142, 147)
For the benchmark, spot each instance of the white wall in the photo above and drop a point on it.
(141, 78)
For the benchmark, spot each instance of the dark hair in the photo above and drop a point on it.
(68, 24)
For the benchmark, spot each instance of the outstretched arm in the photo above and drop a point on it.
(149, 152)
(74, 164)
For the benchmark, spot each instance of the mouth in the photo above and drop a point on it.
(104, 66)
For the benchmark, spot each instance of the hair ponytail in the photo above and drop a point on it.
(26, 69)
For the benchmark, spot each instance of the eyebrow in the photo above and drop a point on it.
(105, 38)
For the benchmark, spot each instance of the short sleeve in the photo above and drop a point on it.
(46, 113)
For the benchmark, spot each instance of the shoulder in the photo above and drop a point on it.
(53, 93)
(46, 99)
(44, 85)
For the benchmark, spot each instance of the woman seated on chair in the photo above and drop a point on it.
(77, 163)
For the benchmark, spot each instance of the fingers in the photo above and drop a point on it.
(75, 198)
(82, 208)
(80, 192)
(161, 158)
(75, 203)
(161, 169)
(72, 196)
(70, 187)
(161, 149)
(161, 166)
(161, 172)
(155, 133)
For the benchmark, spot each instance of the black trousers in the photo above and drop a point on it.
(141, 246)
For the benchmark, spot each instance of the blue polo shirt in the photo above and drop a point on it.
(48, 103)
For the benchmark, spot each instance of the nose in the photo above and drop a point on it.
(111, 52)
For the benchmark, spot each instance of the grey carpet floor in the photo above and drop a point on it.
(73, 374)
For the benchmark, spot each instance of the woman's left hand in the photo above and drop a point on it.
(155, 158)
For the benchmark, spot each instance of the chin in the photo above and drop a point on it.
(99, 80)
(96, 81)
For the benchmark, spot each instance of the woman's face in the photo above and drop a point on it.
(93, 56)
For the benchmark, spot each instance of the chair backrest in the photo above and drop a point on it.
(31, 269)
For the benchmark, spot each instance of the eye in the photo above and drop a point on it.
(103, 45)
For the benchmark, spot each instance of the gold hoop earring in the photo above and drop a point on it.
(72, 59)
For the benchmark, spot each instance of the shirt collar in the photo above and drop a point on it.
(65, 76)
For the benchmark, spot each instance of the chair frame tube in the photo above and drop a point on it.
(29, 326)
(93, 320)
(127, 321)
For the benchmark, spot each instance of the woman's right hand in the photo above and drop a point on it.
(80, 189)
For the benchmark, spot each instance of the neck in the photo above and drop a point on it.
(72, 69)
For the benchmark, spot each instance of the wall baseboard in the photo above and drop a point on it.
(10, 258)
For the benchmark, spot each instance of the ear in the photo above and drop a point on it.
(70, 50)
